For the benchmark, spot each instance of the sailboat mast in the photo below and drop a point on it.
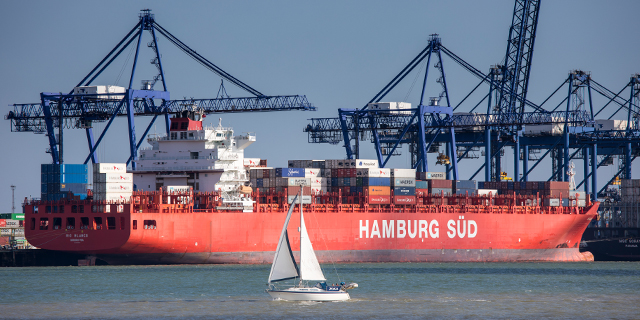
(300, 231)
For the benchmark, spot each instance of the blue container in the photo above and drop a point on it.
(465, 184)
(334, 182)
(290, 172)
(465, 191)
(422, 184)
(404, 191)
(43, 188)
(480, 184)
(347, 182)
(259, 182)
(74, 187)
(378, 182)
(510, 185)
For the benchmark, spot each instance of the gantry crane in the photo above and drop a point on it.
(80, 110)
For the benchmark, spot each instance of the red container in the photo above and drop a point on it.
(404, 200)
(556, 185)
(379, 199)
(292, 191)
(440, 184)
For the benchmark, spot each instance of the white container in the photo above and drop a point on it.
(102, 187)
(180, 189)
(251, 162)
(318, 182)
(299, 182)
(112, 177)
(404, 182)
(311, 172)
(552, 202)
(405, 173)
(113, 196)
(486, 192)
(366, 163)
(109, 168)
(306, 199)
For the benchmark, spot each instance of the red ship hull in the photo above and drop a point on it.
(170, 234)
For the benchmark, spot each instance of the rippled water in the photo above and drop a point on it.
(391, 290)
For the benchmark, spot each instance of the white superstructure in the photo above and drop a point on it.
(203, 158)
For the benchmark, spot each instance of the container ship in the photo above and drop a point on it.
(615, 234)
(194, 198)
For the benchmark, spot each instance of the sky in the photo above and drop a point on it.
(337, 53)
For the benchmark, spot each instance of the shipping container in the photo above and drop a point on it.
(112, 187)
(299, 182)
(439, 191)
(403, 173)
(109, 168)
(440, 184)
(306, 199)
(379, 199)
(379, 190)
(112, 177)
(403, 182)
(464, 184)
(430, 176)
(290, 172)
(251, 162)
(422, 184)
(373, 172)
(404, 191)
(487, 192)
(366, 163)
(552, 202)
(399, 200)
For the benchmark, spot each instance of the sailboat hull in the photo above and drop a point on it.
(308, 294)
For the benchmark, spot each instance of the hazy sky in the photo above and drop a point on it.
(337, 53)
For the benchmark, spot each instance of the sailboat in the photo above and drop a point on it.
(284, 267)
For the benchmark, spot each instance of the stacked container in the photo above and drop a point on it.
(464, 186)
(111, 182)
(403, 182)
(57, 180)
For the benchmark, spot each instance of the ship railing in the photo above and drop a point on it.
(176, 168)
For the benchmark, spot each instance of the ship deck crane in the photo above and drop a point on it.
(80, 110)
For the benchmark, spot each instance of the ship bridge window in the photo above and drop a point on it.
(111, 223)
(81, 208)
(48, 209)
(174, 125)
(44, 223)
(184, 125)
(71, 223)
(57, 223)
(183, 135)
(33, 223)
(149, 224)
(35, 209)
(84, 223)
(174, 135)
(97, 223)
(135, 225)
(61, 209)
(74, 209)
(55, 209)
(122, 222)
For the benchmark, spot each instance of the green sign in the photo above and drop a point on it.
(17, 216)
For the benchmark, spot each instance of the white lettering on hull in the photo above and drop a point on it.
(422, 229)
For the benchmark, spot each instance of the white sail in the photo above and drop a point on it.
(309, 266)
(284, 265)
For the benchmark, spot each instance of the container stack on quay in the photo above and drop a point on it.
(111, 182)
(555, 193)
(59, 181)
(12, 231)
(630, 190)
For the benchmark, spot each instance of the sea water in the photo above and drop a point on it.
(594, 290)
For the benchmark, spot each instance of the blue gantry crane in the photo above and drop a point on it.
(80, 108)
